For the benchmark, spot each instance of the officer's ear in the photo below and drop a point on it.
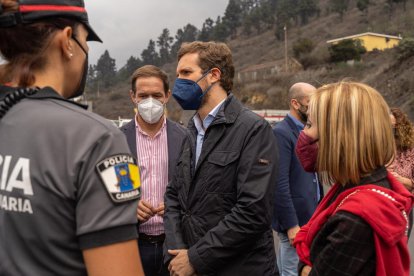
(65, 42)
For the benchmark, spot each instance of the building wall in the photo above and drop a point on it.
(375, 42)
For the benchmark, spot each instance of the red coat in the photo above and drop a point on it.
(383, 209)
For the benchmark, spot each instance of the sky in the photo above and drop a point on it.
(126, 28)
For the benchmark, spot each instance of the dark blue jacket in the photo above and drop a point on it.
(296, 192)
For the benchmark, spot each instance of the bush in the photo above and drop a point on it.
(347, 49)
(405, 48)
(302, 46)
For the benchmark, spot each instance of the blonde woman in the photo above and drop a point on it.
(360, 227)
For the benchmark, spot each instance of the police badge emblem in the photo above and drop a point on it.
(121, 178)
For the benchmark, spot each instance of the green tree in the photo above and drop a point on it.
(390, 5)
(268, 14)
(206, 30)
(405, 48)
(220, 32)
(347, 49)
(149, 55)
(232, 17)
(247, 25)
(91, 78)
(247, 5)
(105, 70)
(164, 43)
(128, 69)
(302, 47)
(339, 6)
(285, 12)
(187, 34)
(256, 19)
(302, 51)
(363, 5)
(306, 9)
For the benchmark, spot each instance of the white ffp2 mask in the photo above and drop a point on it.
(150, 110)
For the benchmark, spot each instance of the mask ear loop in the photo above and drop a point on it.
(204, 75)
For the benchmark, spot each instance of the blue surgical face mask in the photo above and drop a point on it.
(188, 93)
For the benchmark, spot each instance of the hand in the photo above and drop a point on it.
(180, 264)
(144, 211)
(306, 270)
(403, 180)
(291, 233)
(160, 209)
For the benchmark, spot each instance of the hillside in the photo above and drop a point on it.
(382, 70)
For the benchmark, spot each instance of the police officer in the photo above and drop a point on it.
(68, 184)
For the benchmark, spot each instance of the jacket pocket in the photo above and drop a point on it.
(222, 172)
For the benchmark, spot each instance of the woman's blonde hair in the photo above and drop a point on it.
(355, 133)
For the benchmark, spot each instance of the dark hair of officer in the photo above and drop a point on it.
(212, 55)
(23, 46)
(148, 71)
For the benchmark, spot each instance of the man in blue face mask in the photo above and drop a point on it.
(218, 206)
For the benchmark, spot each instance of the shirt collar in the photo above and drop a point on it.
(202, 126)
(140, 130)
(298, 123)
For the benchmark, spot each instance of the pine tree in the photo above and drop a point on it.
(188, 34)
(164, 43)
(339, 6)
(149, 55)
(105, 70)
(363, 5)
(232, 17)
(220, 32)
(131, 65)
(206, 30)
(306, 9)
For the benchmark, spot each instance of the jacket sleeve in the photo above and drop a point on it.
(347, 247)
(172, 218)
(284, 210)
(251, 216)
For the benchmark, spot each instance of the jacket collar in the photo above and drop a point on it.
(227, 113)
(292, 126)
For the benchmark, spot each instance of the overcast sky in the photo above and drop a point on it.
(126, 26)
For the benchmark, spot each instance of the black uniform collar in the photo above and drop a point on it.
(44, 93)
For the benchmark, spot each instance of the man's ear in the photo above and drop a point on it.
(132, 96)
(215, 74)
(294, 103)
(167, 96)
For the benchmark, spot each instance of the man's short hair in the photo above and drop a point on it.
(212, 55)
(148, 71)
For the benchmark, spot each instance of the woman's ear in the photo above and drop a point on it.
(66, 42)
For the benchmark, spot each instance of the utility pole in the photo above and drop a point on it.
(98, 90)
(286, 50)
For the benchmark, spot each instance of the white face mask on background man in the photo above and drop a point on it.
(150, 110)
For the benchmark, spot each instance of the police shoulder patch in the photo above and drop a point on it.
(121, 177)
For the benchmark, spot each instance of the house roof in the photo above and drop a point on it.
(363, 34)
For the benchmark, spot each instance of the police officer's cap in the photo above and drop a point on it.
(31, 11)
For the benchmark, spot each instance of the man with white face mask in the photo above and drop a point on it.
(155, 141)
